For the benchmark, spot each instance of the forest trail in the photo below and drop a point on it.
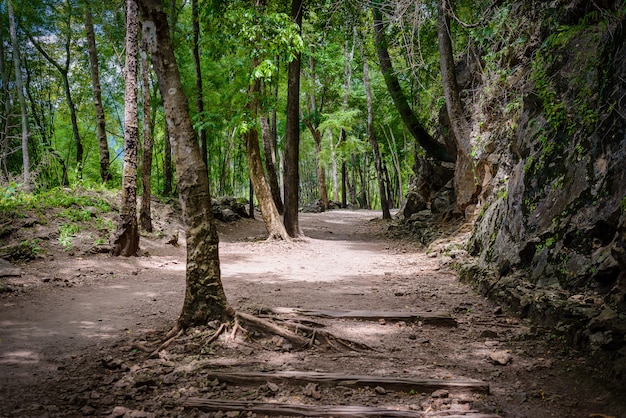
(68, 340)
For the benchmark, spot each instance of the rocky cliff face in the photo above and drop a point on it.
(550, 229)
(549, 139)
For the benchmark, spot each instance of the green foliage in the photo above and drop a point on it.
(66, 235)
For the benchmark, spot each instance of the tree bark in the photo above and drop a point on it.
(205, 299)
(145, 216)
(19, 85)
(269, 148)
(167, 162)
(127, 235)
(271, 217)
(430, 145)
(292, 135)
(464, 180)
(371, 133)
(101, 134)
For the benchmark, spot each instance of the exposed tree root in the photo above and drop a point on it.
(290, 333)
(215, 335)
(171, 336)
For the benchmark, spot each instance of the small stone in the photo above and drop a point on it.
(441, 393)
(311, 391)
(119, 411)
(380, 390)
(273, 387)
(500, 358)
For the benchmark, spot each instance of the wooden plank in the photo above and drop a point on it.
(335, 379)
(276, 408)
(430, 318)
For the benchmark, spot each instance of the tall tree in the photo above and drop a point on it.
(204, 296)
(269, 137)
(426, 141)
(292, 135)
(464, 179)
(127, 234)
(371, 133)
(64, 69)
(101, 134)
(311, 121)
(145, 215)
(19, 85)
(347, 76)
(271, 217)
(268, 134)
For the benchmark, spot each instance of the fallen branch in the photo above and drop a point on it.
(430, 318)
(335, 379)
(272, 408)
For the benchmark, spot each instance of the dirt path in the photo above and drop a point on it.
(68, 340)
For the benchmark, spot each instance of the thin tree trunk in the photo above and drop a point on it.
(199, 92)
(167, 161)
(347, 75)
(333, 156)
(271, 217)
(127, 235)
(6, 99)
(20, 95)
(205, 299)
(396, 162)
(145, 215)
(430, 145)
(168, 175)
(464, 179)
(269, 147)
(312, 123)
(101, 134)
(371, 133)
(292, 134)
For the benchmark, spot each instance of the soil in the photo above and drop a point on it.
(77, 329)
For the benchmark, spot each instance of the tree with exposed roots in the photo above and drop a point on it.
(205, 299)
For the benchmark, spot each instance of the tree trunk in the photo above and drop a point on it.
(4, 138)
(292, 135)
(167, 161)
(269, 147)
(333, 156)
(347, 75)
(199, 92)
(271, 217)
(430, 145)
(464, 180)
(205, 299)
(320, 172)
(127, 234)
(145, 216)
(371, 133)
(20, 95)
(101, 134)
(312, 122)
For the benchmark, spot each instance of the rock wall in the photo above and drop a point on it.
(549, 134)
